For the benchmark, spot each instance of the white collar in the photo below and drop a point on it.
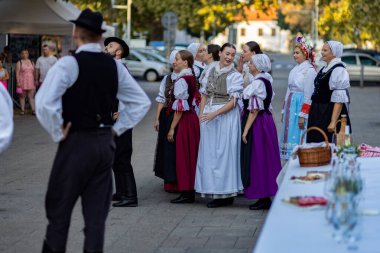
(332, 63)
(219, 71)
(185, 72)
(264, 75)
(90, 47)
(174, 76)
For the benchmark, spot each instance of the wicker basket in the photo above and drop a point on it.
(312, 157)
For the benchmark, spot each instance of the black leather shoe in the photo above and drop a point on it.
(126, 202)
(184, 198)
(220, 202)
(261, 204)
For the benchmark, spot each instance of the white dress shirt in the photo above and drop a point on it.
(6, 119)
(135, 103)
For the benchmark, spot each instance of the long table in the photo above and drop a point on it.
(292, 229)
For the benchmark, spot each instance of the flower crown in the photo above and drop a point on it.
(305, 46)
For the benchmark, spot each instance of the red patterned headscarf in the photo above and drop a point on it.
(305, 47)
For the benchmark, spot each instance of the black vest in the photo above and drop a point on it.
(268, 99)
(88, 103)
(322, 92)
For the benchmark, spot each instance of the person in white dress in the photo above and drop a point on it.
(296, 106)
(199, 52)
(212, 57)
(331, 97)
(6, 119)
(218, 174)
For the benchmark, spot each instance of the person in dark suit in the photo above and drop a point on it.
(74, 105)
(126, 192)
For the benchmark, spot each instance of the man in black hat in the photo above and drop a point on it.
(74, 105)
(126, 192)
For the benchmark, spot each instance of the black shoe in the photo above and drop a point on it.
(220, 202)
(116, 197)
(261, 204)
(188, 197)
(126, 202)
(85, 251)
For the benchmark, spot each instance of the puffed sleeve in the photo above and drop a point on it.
(339, 84)
(204, 81)
(181, 95)
(256, 93)
(308, 89)
(235, 84)
(161, 93)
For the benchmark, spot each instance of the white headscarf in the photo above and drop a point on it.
(262, 62)
(336, 48)
(193, 48)
(172, 56)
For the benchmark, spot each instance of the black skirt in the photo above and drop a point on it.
(320, 116)
(164, 162)
(245, 151)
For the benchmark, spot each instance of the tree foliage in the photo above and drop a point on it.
(194, 16)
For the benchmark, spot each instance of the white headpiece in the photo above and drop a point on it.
(336, 48)
(193, 48)
(262, 62)
(172, 56)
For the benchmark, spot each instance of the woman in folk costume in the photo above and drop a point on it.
(211, 59)
(249, 49)
(330, 98)
(178, 130)
(218, 167)
(297, 102)
(199, 52)
(265, 161)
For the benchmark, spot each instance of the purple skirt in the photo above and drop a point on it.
(265, 158)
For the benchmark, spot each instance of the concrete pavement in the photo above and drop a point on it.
(155, 225)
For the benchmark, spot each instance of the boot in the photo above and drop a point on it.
(261, 204)
(185, 197)
(128, 191)
(220, 202)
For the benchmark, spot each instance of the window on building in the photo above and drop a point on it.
(242, 32)
(261, 32)
(273, 32)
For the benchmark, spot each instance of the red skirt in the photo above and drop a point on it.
(187, 143)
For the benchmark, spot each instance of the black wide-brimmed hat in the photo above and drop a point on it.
(121, 42)
(90, 20)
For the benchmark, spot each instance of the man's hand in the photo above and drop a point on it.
(65, 130)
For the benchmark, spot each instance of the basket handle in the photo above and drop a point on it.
(319, 130)
(336, 125)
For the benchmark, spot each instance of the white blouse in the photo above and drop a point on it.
(198, 65)
(181, 93)
(301, 79)
(256, 92)
(234, 82)
(161, 93)
(339, 82)
(6, 119)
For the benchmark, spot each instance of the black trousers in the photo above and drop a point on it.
(124, 178)
(82, 168)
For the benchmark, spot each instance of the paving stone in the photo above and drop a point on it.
(186, 242)
(215, 231)
(221, 242)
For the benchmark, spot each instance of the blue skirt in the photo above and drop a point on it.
(290, 135)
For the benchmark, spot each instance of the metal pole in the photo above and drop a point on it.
(316, 21)
(361, 76)
(129, 4)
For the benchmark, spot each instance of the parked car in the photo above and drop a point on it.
(142, 66)
(354, 62)
(375, 54)
(152, 55)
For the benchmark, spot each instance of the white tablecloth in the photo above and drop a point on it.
(292, 229)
